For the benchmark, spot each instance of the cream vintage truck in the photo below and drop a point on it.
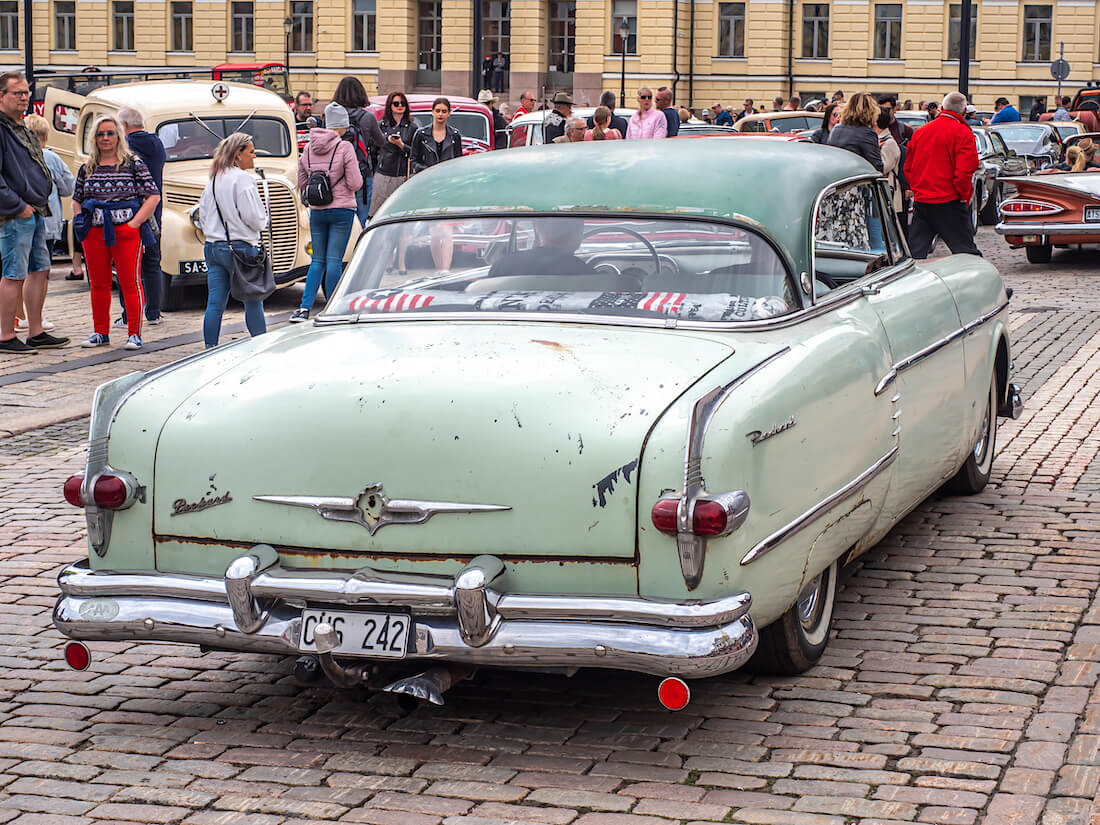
(190, 118)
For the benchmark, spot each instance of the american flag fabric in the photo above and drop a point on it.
(391, 303)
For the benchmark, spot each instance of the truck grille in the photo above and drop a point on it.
(184, 199)
(284, 226)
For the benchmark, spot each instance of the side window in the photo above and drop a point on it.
(519, 136)
(851, 236)
(753, 126)
(65, 117)
(536, 134)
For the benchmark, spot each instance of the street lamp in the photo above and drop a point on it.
(288, 26)
(624, 32)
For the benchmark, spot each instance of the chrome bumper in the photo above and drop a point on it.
(1090, 229)
(258, 608)
(1013, 404)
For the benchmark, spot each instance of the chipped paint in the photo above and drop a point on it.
(606, 485)
(554, 345)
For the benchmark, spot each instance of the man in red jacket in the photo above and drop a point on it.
(940, 162)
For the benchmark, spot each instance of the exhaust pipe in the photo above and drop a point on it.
(430, 685)
(340, 675)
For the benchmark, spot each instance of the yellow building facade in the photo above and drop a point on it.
(707, 50)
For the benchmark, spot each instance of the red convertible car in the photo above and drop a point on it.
(1052, 209)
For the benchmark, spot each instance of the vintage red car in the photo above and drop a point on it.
(1052, 209)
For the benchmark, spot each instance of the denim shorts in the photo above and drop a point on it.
(23, 247)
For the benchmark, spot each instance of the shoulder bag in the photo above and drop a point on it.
(251, 277)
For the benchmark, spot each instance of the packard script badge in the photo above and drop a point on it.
(182, 506)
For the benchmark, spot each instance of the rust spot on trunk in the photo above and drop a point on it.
(554, 345)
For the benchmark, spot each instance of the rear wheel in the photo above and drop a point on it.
(974, 474)
(795, 642)
(1039, 254)
(989, 213)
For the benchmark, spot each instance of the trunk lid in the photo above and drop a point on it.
(547, 420)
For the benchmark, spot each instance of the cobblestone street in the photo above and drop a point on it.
(961, 685)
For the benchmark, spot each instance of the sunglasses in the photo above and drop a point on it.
(400, 103)
(105, 134)
(645, 97)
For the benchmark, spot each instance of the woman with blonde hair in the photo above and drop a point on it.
(601, 120)
(1079, 158)
(113, 199)
(856, 130)
(230, 213)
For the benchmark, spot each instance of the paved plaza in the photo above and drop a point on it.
(960, 686)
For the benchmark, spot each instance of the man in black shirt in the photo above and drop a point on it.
(555, 120)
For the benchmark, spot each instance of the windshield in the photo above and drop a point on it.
(690, 270)
(188, 140)
(469, 124)
(1026, 140)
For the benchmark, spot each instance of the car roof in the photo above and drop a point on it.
(530, 179)
(421, 102)
(578, 111)
(152, 97)
(782, 114)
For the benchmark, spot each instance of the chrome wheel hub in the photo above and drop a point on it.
(809, 602)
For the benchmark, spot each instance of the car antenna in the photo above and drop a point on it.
(204, 126)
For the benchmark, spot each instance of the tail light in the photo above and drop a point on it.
(77, 655)
(111, 491)
(673, 693)
(711, 516)
(1026, 206)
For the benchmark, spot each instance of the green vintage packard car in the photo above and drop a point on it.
(624, 405)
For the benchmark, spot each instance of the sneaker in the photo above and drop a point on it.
(21, 325)
(299, 315)
(97, 340)
(156, 321)
(72, 276)
(44, 340)
(119, 323)
(133, 342)
(16, 346)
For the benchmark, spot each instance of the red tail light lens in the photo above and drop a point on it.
(673, 693)
(77, 655)
(664, 515)
(1022, 206)
(110, 492)
(72, 490)
(709, 518)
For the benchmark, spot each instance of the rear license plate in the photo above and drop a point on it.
(1092, 214)
(359, 634)
(192, 267)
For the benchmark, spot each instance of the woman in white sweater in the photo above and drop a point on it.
(230, 210)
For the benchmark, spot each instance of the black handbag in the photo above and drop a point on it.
(251, 276)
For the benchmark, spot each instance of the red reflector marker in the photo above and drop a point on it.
(664, 514)
(72, 490)
(674, 693)
(77, 655)
(109, 492)
(709, 518)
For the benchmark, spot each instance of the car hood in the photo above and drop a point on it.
(547, 420)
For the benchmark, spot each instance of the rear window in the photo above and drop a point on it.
(679, 269)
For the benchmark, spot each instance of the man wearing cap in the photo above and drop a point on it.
(971, 115)
(500, 123)
(554, 125)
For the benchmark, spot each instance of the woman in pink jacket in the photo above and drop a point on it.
(329, 225)
(647, 122)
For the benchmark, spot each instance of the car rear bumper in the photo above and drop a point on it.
(258, 608)
(1090, 232)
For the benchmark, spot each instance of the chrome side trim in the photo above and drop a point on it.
(935, 347)
(1047, 228)
(691, 548)
(823, 506)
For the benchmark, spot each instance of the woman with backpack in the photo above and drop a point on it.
(364, 136)
(328, 178)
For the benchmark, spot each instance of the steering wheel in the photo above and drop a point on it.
(652, 250)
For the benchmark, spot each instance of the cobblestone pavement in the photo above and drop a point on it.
(960, 686)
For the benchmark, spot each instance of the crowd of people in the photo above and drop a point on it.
(353, 162)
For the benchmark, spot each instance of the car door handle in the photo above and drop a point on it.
(870, 289)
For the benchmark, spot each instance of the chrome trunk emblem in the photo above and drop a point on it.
(372, 509)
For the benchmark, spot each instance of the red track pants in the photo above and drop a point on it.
(126, 255)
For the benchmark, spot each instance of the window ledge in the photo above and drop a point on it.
(180, 53)
(241, 54)
(955, 62)
(725, 58)
(371, 53)
(11, 51)
(619, 56)
(1041, 63)
(63, 51)
(121, 52)
(887, 61)
(814, 59)
(303, 54)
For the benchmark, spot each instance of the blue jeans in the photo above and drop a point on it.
(329, 230)
(362, 201)
(23, 247)
(217, 293)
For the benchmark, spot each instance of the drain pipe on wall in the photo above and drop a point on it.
(675, 43)
(691, 59)
(790, 49)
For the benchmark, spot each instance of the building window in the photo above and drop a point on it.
(627, 9)
(1037, 34)
(363, 25)
(887, 31)
(496, 27)
(815, 30)
(242, 25)
(123, 13)
(430, 35)
(64, 25)
(301, 29)
(954, 28)
(183, 26)
(731, 29)
(563, 35)
(9, 24)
